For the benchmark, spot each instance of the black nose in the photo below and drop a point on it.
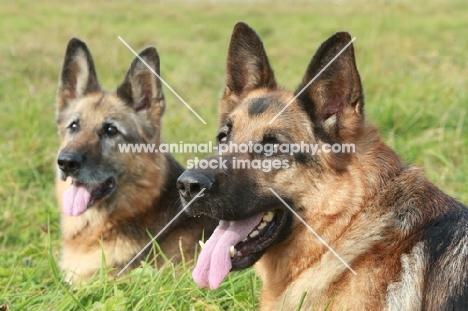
(190, 183)
(69, 162)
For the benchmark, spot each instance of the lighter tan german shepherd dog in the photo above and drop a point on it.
(113, 202)
(405, 240)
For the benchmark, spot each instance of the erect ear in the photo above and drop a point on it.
(247, 67)
(334, 100)
(141, 88)
(78, 76)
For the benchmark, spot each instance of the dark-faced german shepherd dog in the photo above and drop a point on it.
(113, 202)
(406, 240)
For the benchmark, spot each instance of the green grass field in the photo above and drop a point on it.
(413, 62)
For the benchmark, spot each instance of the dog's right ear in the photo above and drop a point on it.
(247, 68)
(141, 88)
(78, 76)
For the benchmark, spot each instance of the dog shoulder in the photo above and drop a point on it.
(447, 247)
(439, 258)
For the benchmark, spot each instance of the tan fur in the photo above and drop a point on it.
(406, 241)
(337, 201)
(118, 226)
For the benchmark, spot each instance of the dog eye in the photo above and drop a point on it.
(222, 138)
(74, 126)
(110, 129)
(276, 147)
(273, 143)
(272, 149)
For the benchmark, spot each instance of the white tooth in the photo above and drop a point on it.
(268, 216)
(244, 240)
(201, 244)
(253, 234)
(232, 250)
(262, 225)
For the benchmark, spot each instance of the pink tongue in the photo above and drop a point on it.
(76, 200)
(214, 262)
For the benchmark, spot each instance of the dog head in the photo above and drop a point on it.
(93, 123)
(326, 109)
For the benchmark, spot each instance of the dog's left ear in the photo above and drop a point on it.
(334, 100)
(141, 88)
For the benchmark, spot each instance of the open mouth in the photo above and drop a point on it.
(101, 190)
(79, 197)
(236, 245)
(245, 253)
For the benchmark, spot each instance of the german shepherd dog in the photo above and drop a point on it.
(405, 240)
(114, 202)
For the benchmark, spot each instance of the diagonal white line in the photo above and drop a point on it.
(311, 81)
(313, 231)
(159, 233)
(159, 77)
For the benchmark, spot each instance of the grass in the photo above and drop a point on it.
(413, 63)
